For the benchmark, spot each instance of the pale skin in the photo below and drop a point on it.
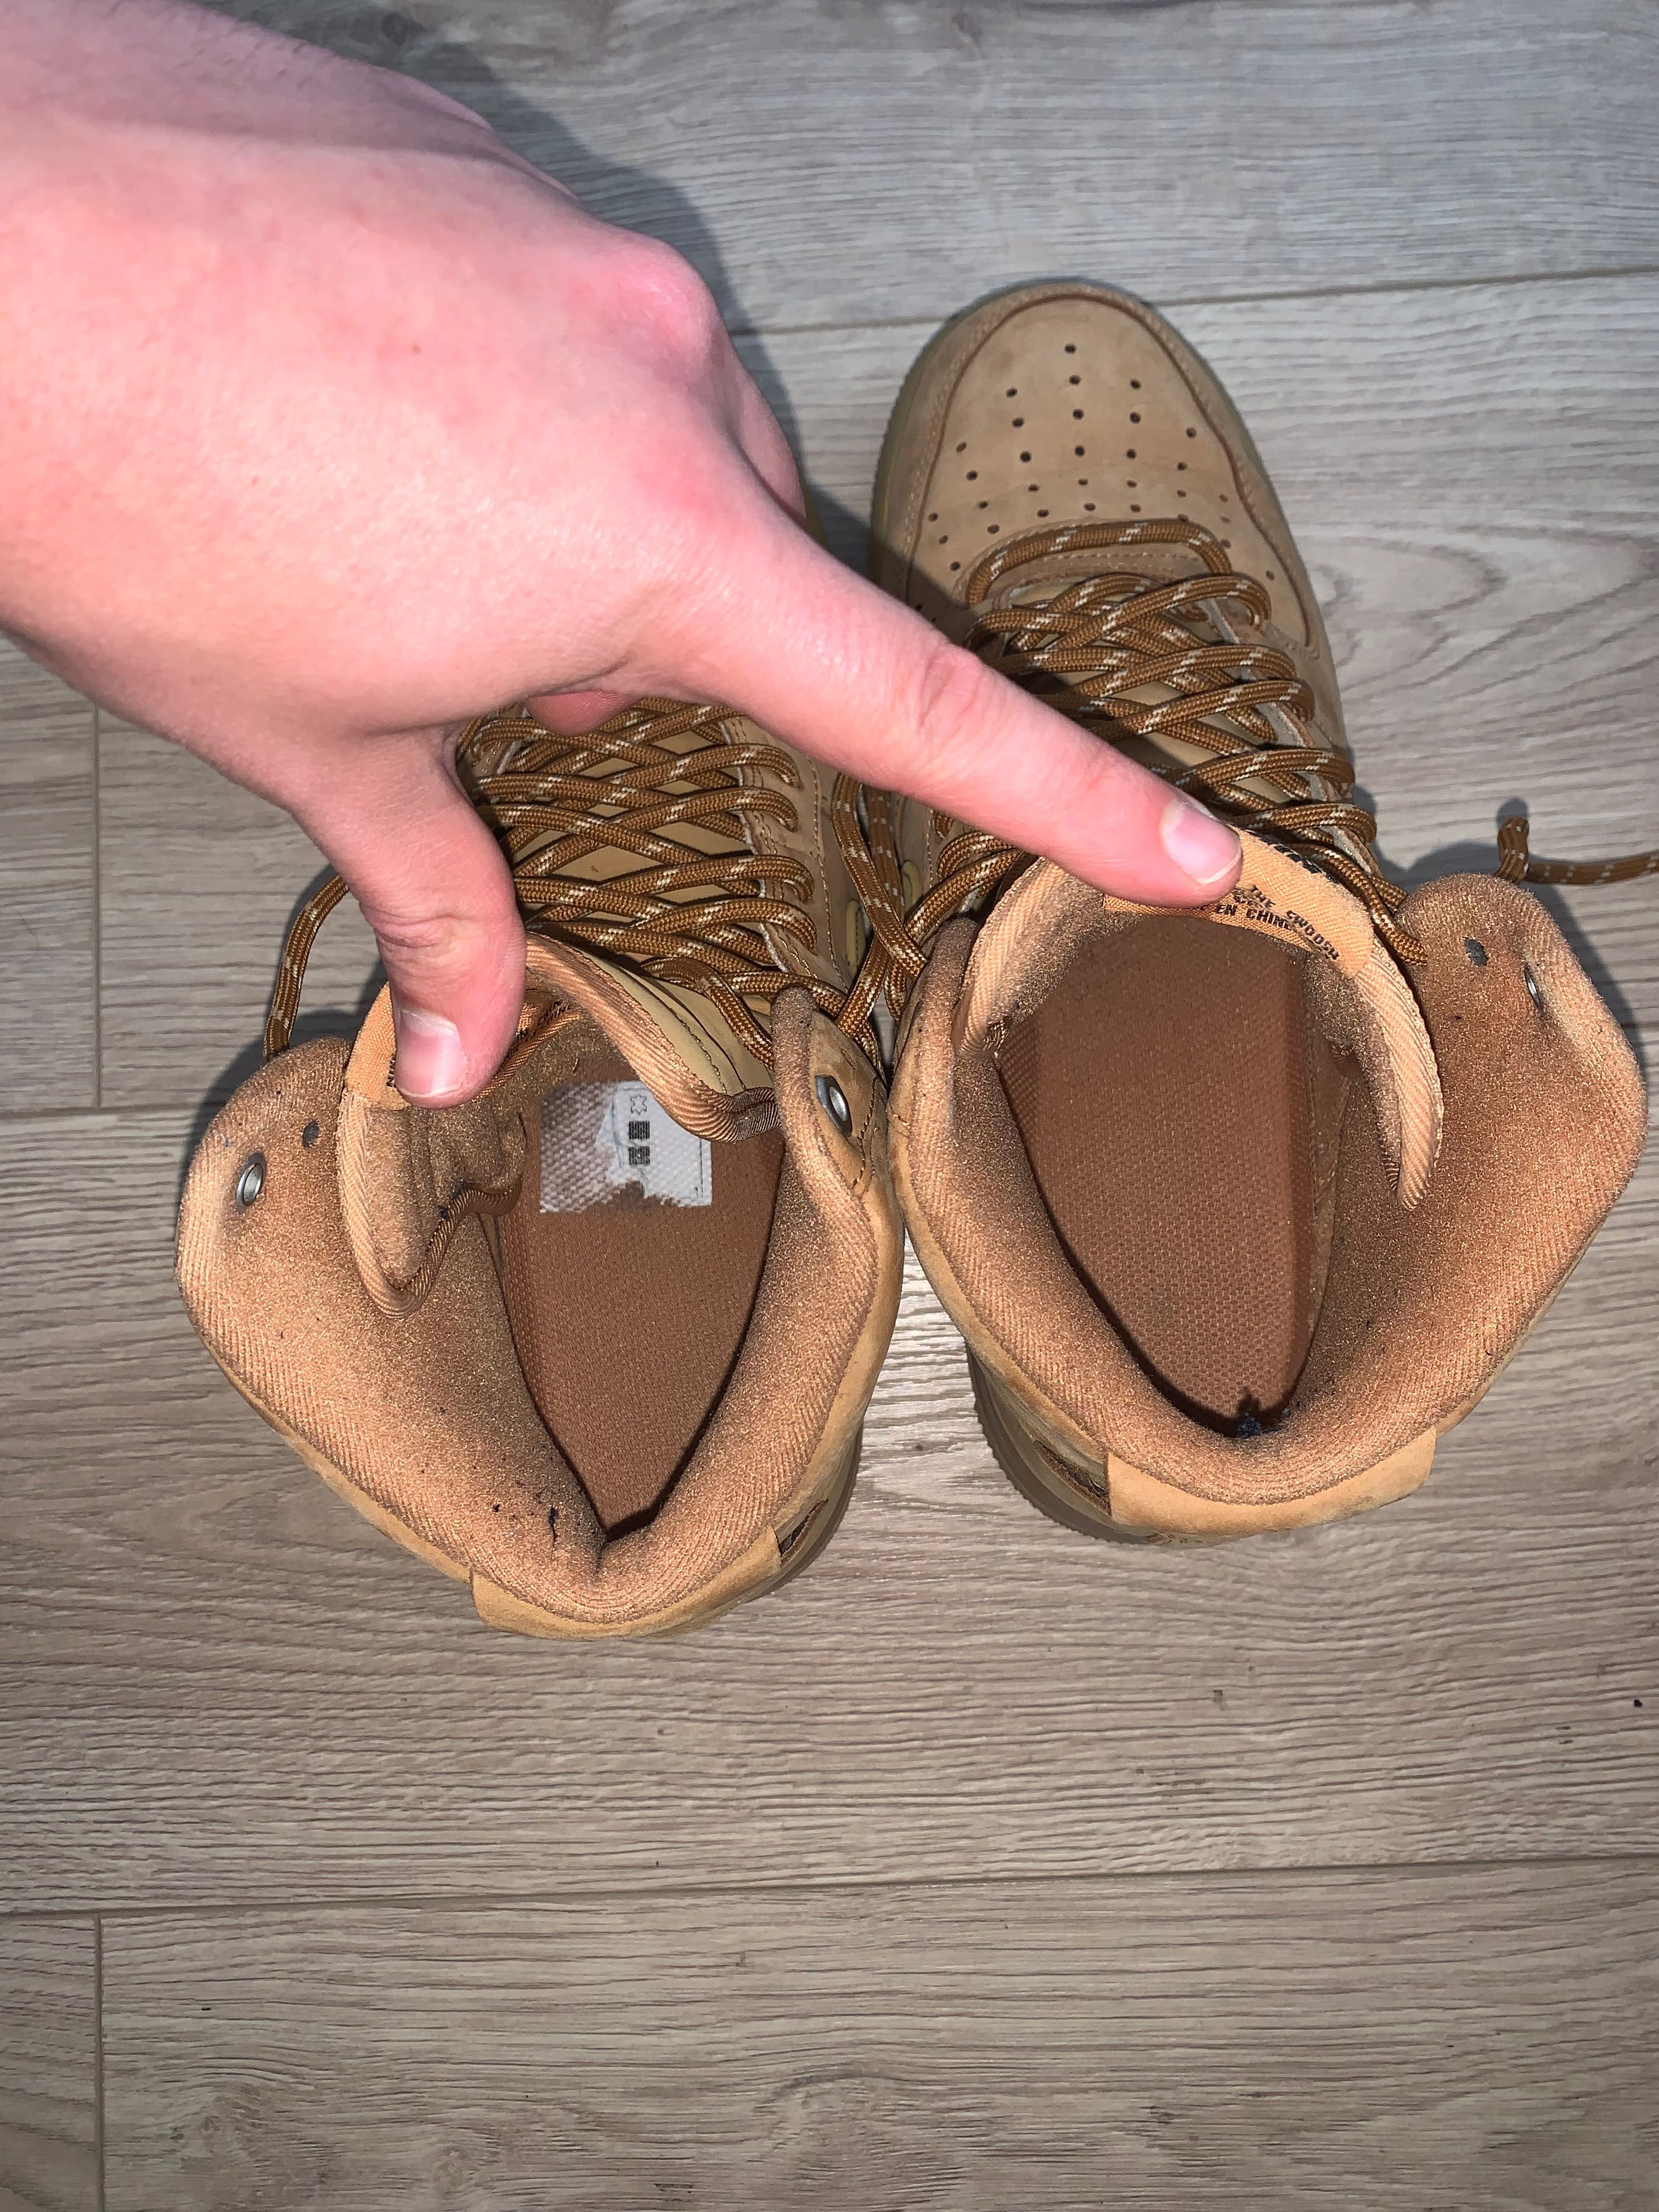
(328, 423)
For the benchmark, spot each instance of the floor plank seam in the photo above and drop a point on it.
(1508, 280)
(515, 1900)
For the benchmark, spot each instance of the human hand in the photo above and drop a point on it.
(330, 422)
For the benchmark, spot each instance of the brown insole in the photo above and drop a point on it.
(628, 1316)
(1164, 1094)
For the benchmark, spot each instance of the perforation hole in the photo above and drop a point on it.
(962, 447)
(1078, 451)
(1135, 384)
(1088, 506)
(1070, 349)
(1192, 434)
(955, 564)
(1128, 452)
(1180, 464)
(1043, 514)
(934, 517)
(1025, 457)
(1019, 421)
(991, 528)
(984, 502)
(972, 475)
(1012, 391)
(1133, 507)
(1133, 417)
(1033, 487)
(1077, 414)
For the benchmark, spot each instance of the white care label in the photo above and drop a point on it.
(603, 1141)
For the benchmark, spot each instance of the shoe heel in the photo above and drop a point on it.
(1065, 1494)
(1155, 1512)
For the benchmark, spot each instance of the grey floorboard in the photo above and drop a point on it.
(199, 881)
(1486, 2038)
(49, 2139)
(984, 1867)
(220, 1684)
(48, 899)
(827, 163)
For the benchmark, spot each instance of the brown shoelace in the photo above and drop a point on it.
(701, 918)
(1084, 650)
(682, 915)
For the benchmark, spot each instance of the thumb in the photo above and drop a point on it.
(832, 665)
(436, 890)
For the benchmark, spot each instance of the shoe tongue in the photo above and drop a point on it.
(408, 1176)
(1360, 994)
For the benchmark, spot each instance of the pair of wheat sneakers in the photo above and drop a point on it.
(1238, 1211)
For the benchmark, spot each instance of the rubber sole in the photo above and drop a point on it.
(1036, 1473)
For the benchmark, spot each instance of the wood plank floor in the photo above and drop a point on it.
(986, 1868)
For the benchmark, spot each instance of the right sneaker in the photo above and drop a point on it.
(597, 1343)
(1238, 1211)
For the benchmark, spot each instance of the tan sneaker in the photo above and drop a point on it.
(599, 1342)
(1238, 1212)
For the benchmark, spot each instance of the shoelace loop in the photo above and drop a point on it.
(1518, 864)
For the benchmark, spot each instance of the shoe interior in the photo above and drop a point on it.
(628, 1316)
(1180, 1111)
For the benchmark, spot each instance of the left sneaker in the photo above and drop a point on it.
(598, 1342)
(1238, 1211)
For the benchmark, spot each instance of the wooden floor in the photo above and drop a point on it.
(986, 1868)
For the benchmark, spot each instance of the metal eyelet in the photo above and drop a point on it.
(1533, 991)
(252, 1180)
(833, 1099)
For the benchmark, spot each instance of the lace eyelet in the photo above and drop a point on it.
(833, 1099)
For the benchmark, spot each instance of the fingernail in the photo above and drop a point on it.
(430, 1061)
(1200, 846)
